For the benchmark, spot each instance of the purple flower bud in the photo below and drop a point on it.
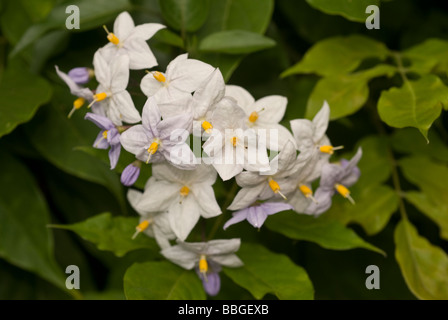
(130, 174)
(80, 75)
(212, 283)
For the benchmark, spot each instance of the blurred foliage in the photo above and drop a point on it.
(388, 93)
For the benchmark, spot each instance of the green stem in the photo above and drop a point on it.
(227, 202)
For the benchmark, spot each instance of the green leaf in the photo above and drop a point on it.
(424, 266)
(345, 94)
(112, 234)
(431, 178)
(326, 233)
(267, 272)
(416, 104)
(57, 137)
(338, 55)
(93, 13)
(162, 281)
(431, 55)
(409, 141)
(351, 10)
(168, 37)
(22, 93)
(235, 42)
(437, 211)
(185, 15)
(25, 240)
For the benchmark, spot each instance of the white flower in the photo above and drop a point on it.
(185, 194)
(265, 113)
(273, 184)
(231, 146)
(182, 77)
(154, 224)
(128, 39)
(111, 94)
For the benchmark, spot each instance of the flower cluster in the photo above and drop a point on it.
(190, 100)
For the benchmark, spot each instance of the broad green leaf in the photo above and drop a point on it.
(338, 56)
(235, 42)
(162, 281)
(25, 240)
(168, 37)
(431, 55)
(267, 272)
(112, 234)
(57, 137)
(432, 179)
(424, 266)
(409, 141)
(326, 233)
(437, 211)
(22, 93)
(415, 104)
(184, 15)
(351, 10)
(345, 94)
(93, 13)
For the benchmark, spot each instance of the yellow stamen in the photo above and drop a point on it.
(343, 191)
(329, 149)
(253, 116)
(97, 97)
(203, 265)
(77, 104)
(184, 191)
(152, 149)
(111, 37)
(105, 134)
(207, 126)
(276, 188)
(141, 227)
(307, 192)
(234, 141)
(159, 76)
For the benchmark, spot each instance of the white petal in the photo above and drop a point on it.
(320, 121)
(150, 86)
(141, 57)
(134, 139)
(102, 70)
(146, 31)
(174, 108)
(178, 255)
(227, 171)
(181, 157)
(208, 94)
(151, 116)
(299, 201)
(228, 115)
(205, 196)
(134, 198)
(229, 260)
(246, 196)
(119, 74)
(222, 247)
(287, 157)
(303, 131)
(243, 98)
(158, 196)
(173, 64)
(271, 109)
(124, 104)
(274, 140)
(123, 26)
(188, 75)
(184, 216)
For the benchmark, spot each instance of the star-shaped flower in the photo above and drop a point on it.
(111, 93)
(130, 40)
(264, 114)
(335, 178)
(207, 258)
(185, 194)
(108, 137)
(157, 140)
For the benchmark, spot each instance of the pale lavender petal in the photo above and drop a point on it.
(275, 207)
(100, 142)
(151, 116)
(100, 121)
(130, 175)
(113, 137)
(114, 155)
(79, 75)
(256, 216)
(75, 89)
(323, 202)
(238, 216)
(212, 284)
(330, 175)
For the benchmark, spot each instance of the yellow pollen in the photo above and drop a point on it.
(152, 149)
(111, 37)
(234, 141)
(159, 76)
(343, 191)
(105, 134)
(329, 149)
(276, 187)
(141, 227)
(307, 192)
(203, 265)
(184, 191)
(253, 116)
(78, 103)
(100, 96)
(207, 126)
